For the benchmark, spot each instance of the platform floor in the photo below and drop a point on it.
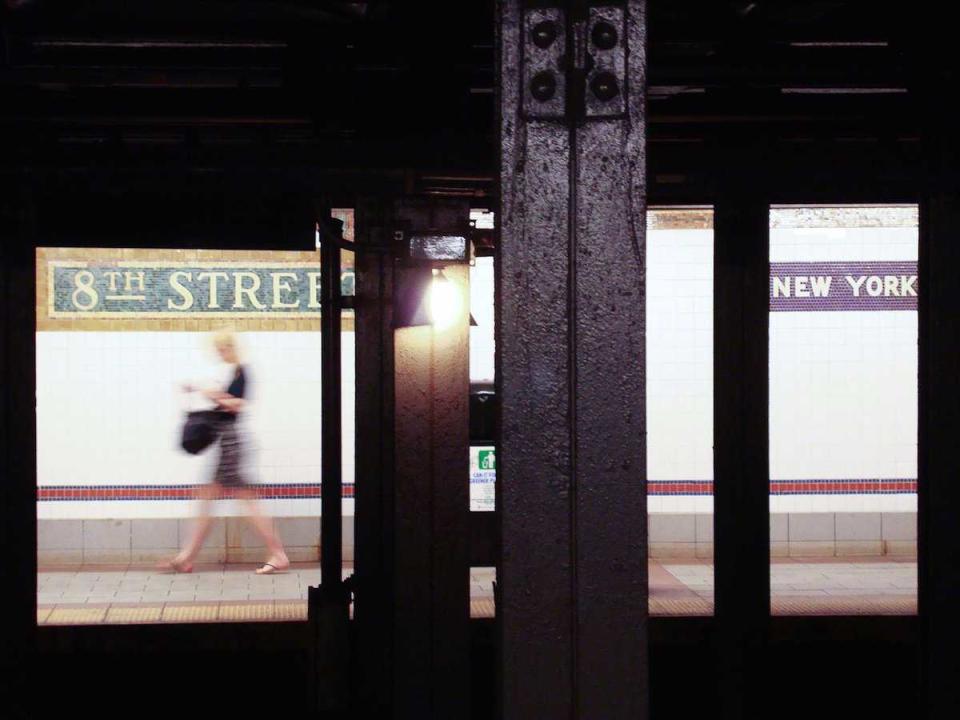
(118, 594)
(798, 586)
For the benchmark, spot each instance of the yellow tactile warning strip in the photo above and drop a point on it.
(189, 613)
(850, 605)
(76, 616)
(267, 611)
(290, 610)
(296, 611)
(133, 615)
(482, 608)
(247, 612)
(680, 606)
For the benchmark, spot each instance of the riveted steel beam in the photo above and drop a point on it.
(572, 595)
(938, 493)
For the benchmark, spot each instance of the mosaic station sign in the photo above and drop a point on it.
(157, 289)
(843, 286)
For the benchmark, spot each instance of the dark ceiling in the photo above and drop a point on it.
(407, 89)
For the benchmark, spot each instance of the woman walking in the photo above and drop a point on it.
(230, 402)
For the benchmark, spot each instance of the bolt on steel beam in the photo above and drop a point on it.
(572, 579)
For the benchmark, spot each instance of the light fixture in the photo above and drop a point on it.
(444, 301)
(430, 236)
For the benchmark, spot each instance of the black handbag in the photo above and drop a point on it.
(200, 430)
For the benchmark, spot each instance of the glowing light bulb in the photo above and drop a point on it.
(444, 301)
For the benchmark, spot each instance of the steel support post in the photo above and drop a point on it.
(431, 506)
(18, 495)
(741, 445)
(373, 515)
(412, 562)
(330, 602)
(938, 486)
(331, 547)
(571, 490)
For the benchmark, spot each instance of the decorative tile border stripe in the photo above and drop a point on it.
(680, 487)
(303, 491)
(867, 486)
(845, 217)
(680, 219)
(832, 486)
(98, 493)
(843, 286)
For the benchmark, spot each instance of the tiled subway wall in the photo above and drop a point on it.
(837, 446)
(804, 534)
(109, 409)
(672, 535)
(110, 374)
(231, 540)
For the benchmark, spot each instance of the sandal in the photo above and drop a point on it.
(269, 568)
(176, 566)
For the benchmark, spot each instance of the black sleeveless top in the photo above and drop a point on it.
(237, 388)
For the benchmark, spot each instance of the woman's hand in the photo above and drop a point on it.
(231, 404)
(225, 400)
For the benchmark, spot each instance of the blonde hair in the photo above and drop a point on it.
(226, 337)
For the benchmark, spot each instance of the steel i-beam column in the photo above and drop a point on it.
(431, 506)
(938, 490)
(571, 491)
(18, 516)
(741, 446)
(413, 451)
(373, 518)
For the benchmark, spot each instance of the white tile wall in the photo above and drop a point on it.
(679, 362)
(109, 412)
(843, 385)
(829, 418)
(482, 310)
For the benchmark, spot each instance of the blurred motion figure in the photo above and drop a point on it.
(229, 473)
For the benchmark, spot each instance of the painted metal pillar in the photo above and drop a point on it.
(18, 495)
(373, 515)
(741, 444)
(431, 506)
(571, 490)
(331, 546)
(938, 482)
(412, 511)
(329, 603)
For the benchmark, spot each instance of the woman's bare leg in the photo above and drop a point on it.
(201, 527)
(264, 528)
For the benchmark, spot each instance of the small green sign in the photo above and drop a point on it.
(487, 460)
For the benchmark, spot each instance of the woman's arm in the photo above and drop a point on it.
(225, 400)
